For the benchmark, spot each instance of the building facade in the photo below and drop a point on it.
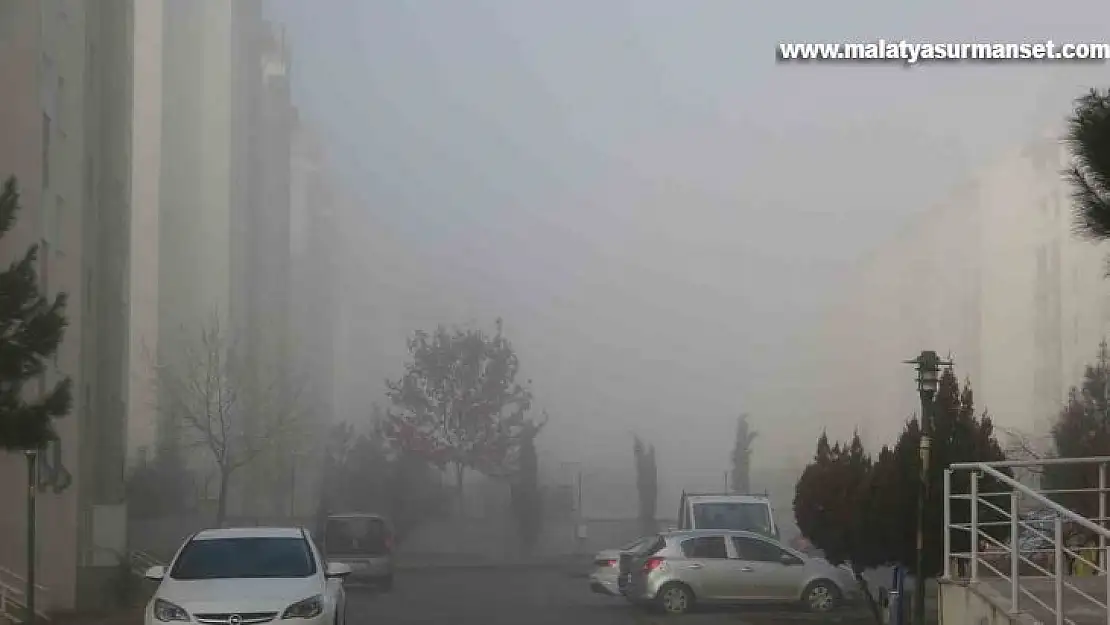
(65, 133)
(995, 278)
(260, 270)
(314, 302)
(146, 171)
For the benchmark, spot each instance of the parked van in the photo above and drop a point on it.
(363, 542)
(726, 511)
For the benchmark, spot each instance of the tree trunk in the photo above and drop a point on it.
(460, 509)
(872, 605)
(221, 502)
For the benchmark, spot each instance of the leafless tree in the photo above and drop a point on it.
(235, 409)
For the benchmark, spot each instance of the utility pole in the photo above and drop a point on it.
(928, 366)
(32, 487)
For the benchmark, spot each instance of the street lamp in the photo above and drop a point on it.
(32, 486)
(927, 365)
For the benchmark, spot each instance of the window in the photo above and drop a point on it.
(231, 558)
(755, 550)
(356, 536)
(712, 547)
(743, 516)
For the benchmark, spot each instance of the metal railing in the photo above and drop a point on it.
(13, 597)
(1033, 584)
(141, 561)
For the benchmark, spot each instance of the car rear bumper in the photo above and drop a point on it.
(363, 569)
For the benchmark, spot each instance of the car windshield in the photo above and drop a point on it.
(230, 558)
(730, 515)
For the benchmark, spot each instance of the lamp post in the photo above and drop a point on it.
(928, 366)
(32, 478)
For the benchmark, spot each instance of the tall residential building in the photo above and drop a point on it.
(194, 202)
(993, 276)
(260, 269)
(314, 305)
(65, 133)
(146, 171)
(195, 193)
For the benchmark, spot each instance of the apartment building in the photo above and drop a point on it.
(260, 270)
(314, 303)
(146, 171)
(65, 133)
(992, 276)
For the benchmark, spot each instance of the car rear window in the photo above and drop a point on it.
(356, 536)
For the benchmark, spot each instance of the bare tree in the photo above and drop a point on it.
(234, 409)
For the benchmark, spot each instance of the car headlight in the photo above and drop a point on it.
(305, 608)
(165, 611)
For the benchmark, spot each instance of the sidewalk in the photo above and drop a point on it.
(458, 561)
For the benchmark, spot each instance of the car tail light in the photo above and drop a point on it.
(652, 564)
(606, 563)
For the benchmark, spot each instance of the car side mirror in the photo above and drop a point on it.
(337, 570)
(789, 560)
(155, 573)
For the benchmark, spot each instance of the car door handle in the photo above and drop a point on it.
(695, 565)
(746, 569)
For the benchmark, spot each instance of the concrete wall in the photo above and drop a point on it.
(963, 604)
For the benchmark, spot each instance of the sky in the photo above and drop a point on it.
(657, 209)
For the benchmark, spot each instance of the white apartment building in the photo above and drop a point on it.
(146, 171)
(65, 133)
(994, 277)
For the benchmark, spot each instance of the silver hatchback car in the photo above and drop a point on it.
(719, 566)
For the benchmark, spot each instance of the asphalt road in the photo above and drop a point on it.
(535, 597)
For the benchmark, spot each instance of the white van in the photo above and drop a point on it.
(750, 513)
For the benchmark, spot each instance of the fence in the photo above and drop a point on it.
(1031, 566)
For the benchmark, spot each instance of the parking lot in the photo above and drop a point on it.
(536, 597)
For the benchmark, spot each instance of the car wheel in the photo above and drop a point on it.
(821, 596)
(675, 598)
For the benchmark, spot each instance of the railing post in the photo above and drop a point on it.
(1015, 553)
(974, 526)
(948, 524)
(1059, 570)
(1102, 517)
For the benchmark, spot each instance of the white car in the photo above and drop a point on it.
(248, 576)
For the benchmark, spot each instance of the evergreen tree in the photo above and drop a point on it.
(1089, 141)
(527, 502)
(31, 329)
(647, 483)
(740, 478)
(957, 436)
(1082, 429)
(835, 508)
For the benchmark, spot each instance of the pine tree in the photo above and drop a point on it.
(31, 329)
(1082, 429)
(740, 480)
(647, 483)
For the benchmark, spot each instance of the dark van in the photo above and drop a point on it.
(365, 543)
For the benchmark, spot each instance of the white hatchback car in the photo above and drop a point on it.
(248, 576)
